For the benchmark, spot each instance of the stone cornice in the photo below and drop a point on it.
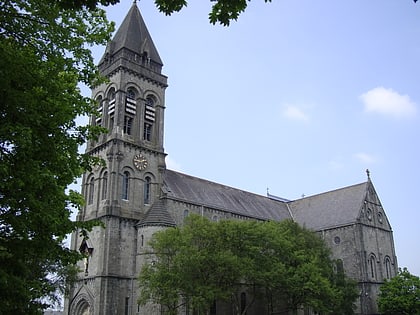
(135, 69)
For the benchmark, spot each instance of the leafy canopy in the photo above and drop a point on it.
(400, 295)
(222, 11)
(279, 263)
(44, 54)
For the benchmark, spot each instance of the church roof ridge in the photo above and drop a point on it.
(332, 191)
(338, 207)
(333, 208)
(212, 182)
(222, 197)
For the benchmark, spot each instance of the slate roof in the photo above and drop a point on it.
(133, 35)
(157, 216)
(331, 209)
(209, 194)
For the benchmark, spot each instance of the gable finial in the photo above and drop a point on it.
(368, 173)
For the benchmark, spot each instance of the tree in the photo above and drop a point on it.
(400, 295)
(222, 11)
(43, 57)
(280, 263)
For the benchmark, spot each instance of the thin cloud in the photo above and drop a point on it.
(388, 102)
(295, 113)
(365, 158)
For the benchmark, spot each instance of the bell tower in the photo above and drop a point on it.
(120, 192)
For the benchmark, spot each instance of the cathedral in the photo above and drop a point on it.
(135, 195)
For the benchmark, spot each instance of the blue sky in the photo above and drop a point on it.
(299, 97)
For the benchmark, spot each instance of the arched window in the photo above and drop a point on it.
(82, 308)
(91, 191)
(111, 95)
(147, 188)
(131, 93)
(150, 101)
(215, 218)
(111, 102)
(149, 118)
(388, 269)
(186, 213)
(130, 110)
(104, 185)
(142, 240)
(125, 185)
(98, 117)
(372, 266)
(339, 266)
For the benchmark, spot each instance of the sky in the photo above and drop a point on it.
(297, 97)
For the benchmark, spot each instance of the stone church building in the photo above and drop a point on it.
(135, 195)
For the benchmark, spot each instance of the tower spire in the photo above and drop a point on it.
(132, 42)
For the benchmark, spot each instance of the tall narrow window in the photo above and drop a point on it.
(104, 185)
(128, 123)
(91, 190)
(111, 108)
(144, 58)
(125, 185)
(147, 132)
(98, 116)
(111, 101)
(149, 118)
(127, 300)
(340, 267)
(372, 266)
(130, 102)
(147, 188)
(111, 123)
(388, 267)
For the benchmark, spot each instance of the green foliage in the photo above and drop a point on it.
(280, 263)
(223, 11)
(400, 295)
(43, 57)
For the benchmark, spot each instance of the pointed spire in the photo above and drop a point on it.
(134, 36)
(368, 173)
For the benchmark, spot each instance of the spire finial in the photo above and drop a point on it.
(368, 173)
